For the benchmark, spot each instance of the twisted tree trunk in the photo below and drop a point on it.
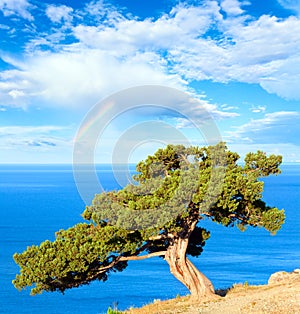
(184, 270)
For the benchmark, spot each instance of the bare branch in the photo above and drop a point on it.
(137, 258)
(185, 159)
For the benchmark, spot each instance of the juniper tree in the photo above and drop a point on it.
(159, 215)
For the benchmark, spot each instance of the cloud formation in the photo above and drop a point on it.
(16, 8)
(293, 5)
(232, 7)
(59, 13)
(274, 127)
(189, 43)
(89, 53)
(34, 143)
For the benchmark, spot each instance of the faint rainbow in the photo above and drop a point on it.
(92, 118)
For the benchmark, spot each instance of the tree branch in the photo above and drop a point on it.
(185, 159)
(161, 237)
(137, 258)
(96, 272)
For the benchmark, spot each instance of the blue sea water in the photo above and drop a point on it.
(37, 200)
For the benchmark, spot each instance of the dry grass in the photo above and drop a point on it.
(239, 299)
(181, 304)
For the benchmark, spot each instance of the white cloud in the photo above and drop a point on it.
(232, 7)
(270, 129)
(226, 107)
(258, 109)
(125, 36)
(201, 112)
(80, 77)
(108, 57)
(213, 110)
(35, 144)
(45, 143)
(285, 81)
(4, 27)
(263, 52)
(269, 63)
(16, 7)
(293, 5)
(26, 130)
(102, 10)
(59, 13)
(120, 52)
(113, 51)
(14, 93)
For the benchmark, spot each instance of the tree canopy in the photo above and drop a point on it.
(160, 215)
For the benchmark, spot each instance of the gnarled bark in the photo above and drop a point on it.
(184, 270)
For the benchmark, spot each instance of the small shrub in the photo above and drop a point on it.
(113, 311)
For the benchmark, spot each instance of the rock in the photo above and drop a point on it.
(296, 271)
(277, 277)
(283, 277)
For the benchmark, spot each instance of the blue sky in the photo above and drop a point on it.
(240, 59)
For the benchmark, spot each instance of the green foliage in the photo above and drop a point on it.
(75, 257)
(113, 311)
(176, 188)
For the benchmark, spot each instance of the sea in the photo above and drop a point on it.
(38, 200)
